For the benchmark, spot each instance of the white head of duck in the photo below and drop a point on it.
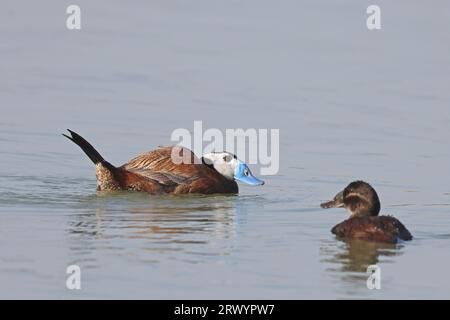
(229, 166)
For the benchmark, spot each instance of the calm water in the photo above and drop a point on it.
(349, 103)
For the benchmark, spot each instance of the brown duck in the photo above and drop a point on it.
(155, 172)
(362, 201)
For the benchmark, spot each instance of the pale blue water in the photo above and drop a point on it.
(350, 104)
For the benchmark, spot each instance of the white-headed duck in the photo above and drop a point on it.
(155, 172)
(362, 201)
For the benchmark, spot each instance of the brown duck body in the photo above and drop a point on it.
(372, 228)
(155, 172)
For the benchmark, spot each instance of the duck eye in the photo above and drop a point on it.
(227, 158)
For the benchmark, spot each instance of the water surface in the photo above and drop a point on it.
(350, 104)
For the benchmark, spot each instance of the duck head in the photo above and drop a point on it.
(359, 198)
(228, 165)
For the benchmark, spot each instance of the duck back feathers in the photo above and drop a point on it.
(372, 228)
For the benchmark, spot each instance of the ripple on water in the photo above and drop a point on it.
(44, 191)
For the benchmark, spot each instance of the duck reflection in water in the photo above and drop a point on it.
(356, 255)
(192, 226)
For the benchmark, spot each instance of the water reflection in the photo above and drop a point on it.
(136, 225)
(348, 260)
(356, 255)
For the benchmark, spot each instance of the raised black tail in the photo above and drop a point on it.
(87, 148)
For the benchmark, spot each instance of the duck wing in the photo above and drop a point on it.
(379, 228)
(164, 178)
(158, 165)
